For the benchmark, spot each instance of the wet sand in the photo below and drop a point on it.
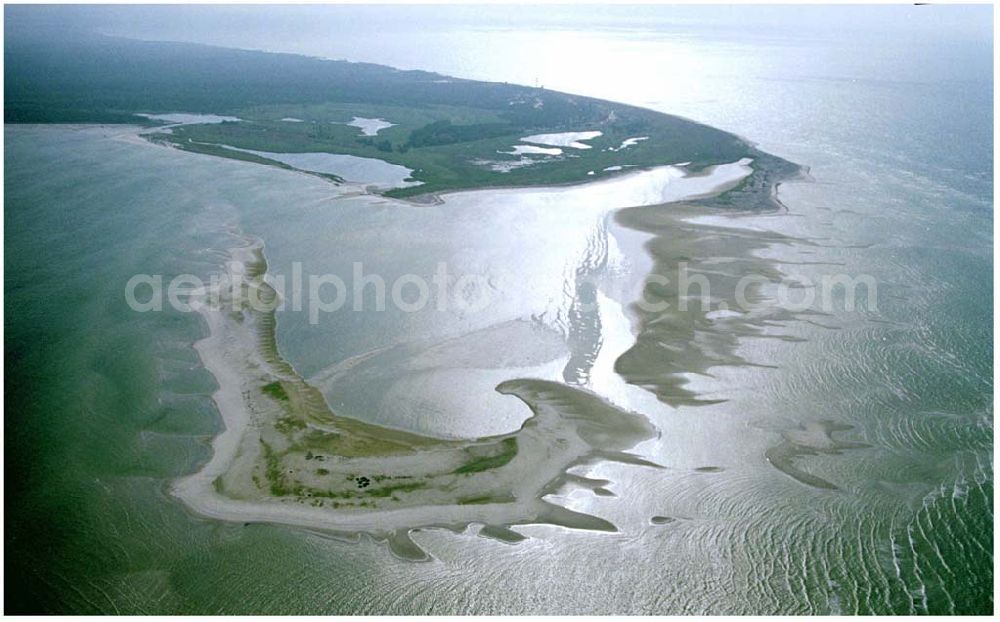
(242, 354)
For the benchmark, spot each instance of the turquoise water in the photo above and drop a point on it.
(105, 406)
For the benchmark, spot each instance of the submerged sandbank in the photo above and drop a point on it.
(286, 457)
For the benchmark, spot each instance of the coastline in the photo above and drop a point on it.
(241, 410)
(825, 441)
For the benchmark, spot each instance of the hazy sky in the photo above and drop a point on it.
(303, 28)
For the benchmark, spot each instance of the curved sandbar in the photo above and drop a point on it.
(285, 457)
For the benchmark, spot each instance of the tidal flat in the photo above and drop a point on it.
(831, 461)
(432, 374)
(286, 456)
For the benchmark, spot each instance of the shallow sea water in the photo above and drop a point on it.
(105, 407)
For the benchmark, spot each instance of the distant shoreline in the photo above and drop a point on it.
(453, 134)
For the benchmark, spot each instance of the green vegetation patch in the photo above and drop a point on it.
(273, 471)
(386, 491)
(508, 449)
(485, 499)
(443, 132)
(275, 390)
